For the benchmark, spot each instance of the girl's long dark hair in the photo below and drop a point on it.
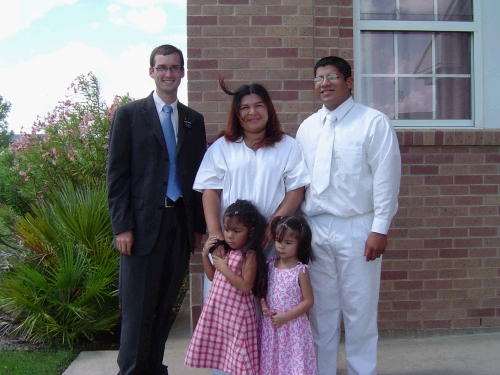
(248, 215)
(234, 131)
(281, 225)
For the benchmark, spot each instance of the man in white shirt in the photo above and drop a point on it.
(353, 155)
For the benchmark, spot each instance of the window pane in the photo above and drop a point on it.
(415, 53)
(453, 98)
(421, 10)
(415, 98)
(378, 9)
(378, 93)
(417, 10)
(378, 52)
(453, 53)
(454, 10)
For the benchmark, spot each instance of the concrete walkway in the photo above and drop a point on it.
(475, 354)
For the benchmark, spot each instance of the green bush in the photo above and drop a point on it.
(67, 289)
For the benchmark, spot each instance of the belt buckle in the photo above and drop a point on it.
(167, 205)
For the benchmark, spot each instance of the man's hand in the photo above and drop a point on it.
(375, 246)
(124, 242)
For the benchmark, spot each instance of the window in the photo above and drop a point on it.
(414, 60)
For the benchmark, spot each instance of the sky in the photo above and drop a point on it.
(46, 44)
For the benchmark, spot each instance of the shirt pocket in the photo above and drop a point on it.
(348, 162)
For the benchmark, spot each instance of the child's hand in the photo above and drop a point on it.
(265, 308)
(219, 263)
(278, 319)
(208, 245)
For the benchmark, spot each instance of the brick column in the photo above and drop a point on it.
(271, 42)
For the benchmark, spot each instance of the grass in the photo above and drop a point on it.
(45, 362)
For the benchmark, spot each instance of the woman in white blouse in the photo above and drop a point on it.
(252, 159)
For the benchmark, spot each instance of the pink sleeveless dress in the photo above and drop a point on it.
(225, 337)
(288, 350)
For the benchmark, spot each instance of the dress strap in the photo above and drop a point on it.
(271, 260)
(302, 267)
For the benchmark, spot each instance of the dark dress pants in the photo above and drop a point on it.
(149, 286)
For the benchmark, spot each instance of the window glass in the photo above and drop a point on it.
(421, 10)
(379, 93)
(416, 10)
(453, 106)
(417, 75)
(378, 9)
(378, 52)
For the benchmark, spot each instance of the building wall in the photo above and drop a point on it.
(442, 268)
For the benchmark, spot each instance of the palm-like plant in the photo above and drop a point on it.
(68, 289)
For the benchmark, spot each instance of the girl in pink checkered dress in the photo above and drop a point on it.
(286, 342)
(225, 338)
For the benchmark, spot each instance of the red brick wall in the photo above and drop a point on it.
(442, 270)
(443, 266)
(272, 42)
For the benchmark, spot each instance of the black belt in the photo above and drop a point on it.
(169, 203)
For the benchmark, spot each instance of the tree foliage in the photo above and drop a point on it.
(5, 134)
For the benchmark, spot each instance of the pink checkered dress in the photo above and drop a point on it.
(225, 337)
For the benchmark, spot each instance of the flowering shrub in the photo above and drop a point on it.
(69, 144)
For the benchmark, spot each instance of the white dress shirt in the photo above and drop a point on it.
(262, 177)
(366, 165)
(174, 115)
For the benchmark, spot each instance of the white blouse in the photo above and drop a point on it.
(262, 177)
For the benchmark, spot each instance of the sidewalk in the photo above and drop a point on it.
(104, 362)
(475, 354)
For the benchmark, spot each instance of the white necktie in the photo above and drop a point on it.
(323, 160)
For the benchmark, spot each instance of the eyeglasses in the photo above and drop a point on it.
(330, 77)
(163, 69)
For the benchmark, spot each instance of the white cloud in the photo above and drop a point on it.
(145, 3)
(18, 15)
(40, 93)
(113, 8)
(152, 20)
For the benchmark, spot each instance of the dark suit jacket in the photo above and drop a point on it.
(137, 171)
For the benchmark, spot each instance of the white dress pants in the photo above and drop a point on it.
(344, 285)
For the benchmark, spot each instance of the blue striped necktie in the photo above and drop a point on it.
(173, 184)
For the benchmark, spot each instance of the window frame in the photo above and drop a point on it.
(472, 27)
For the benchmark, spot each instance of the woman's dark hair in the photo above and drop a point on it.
(338, 62)
(234, 131)
(298, 227)
(248, 215)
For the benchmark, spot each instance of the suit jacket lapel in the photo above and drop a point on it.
(152, 120)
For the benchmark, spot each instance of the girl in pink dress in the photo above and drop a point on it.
(225, 339)
(286, 342)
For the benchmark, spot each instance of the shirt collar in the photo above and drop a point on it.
(159, 103)
(338, 112)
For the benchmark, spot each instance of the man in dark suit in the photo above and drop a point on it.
(157, 218)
